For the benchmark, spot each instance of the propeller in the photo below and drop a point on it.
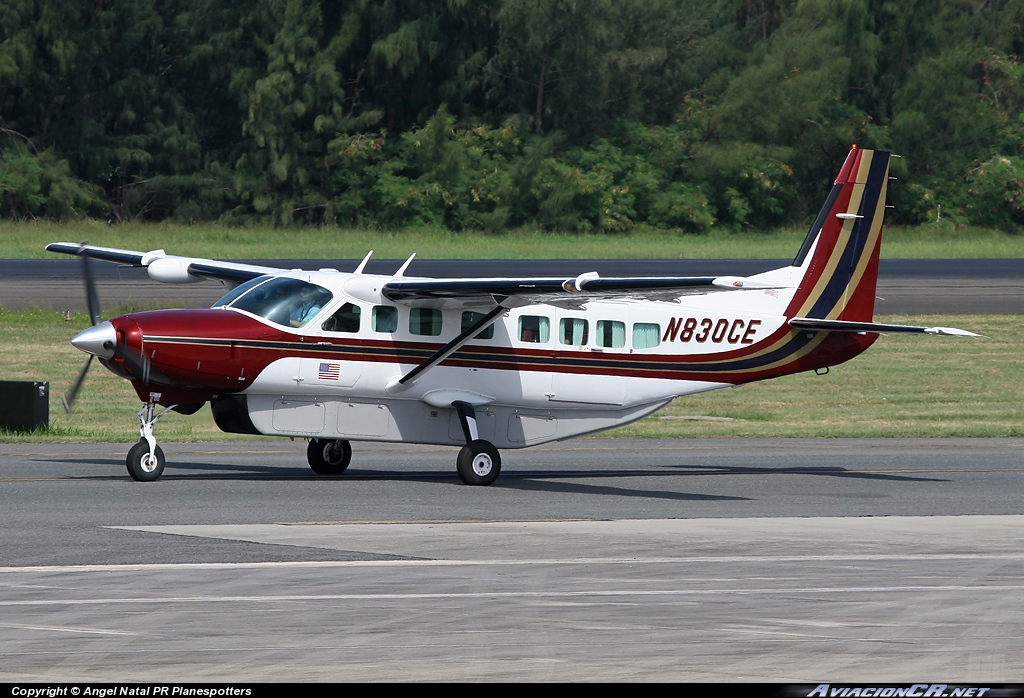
(68, 401)
(101, 340)
(93, 302)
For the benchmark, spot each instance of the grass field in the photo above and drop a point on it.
(903, 386)
(26, 240)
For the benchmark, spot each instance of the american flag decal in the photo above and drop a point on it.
(330, 372)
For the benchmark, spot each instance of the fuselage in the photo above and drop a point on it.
(540, 372)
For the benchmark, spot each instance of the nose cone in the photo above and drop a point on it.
(99, 340)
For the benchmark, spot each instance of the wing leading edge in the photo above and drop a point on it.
(168, 268)
(560, 291)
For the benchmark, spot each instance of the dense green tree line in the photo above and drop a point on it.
(569, 114)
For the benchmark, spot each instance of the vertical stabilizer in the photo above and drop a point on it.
(839, 257)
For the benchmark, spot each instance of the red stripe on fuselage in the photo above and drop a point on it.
(223, 351)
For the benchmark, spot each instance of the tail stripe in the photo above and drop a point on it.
(864, 278)
(846, 247)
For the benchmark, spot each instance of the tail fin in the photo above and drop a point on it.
(839, 257)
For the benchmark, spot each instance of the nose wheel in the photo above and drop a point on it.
(142, 465)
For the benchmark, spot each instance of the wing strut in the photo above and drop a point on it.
(451, 347)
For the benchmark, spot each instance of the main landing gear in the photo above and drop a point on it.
(145, 461)
(328, 456)
(479, 462)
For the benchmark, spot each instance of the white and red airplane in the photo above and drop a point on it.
(485, 363)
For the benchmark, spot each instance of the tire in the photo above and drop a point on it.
(478, 463)
(328, 457)
(141, 466)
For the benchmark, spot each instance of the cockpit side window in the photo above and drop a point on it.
(285, 301)
(345, 319)
(229, 297)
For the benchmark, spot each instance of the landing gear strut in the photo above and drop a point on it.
(479, 462)
(328, 456)
(145, 461)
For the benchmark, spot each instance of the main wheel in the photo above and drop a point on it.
(328, 456)
(478, 463)
(142, 466)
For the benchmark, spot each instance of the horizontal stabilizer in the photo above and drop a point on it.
(803, 323)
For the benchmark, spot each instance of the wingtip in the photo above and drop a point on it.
(951, 332)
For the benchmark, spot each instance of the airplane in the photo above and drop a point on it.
(484, 363)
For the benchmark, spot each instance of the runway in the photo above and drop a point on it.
(904, 285)
(794, 561)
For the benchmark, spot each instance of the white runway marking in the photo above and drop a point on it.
(277, 598)
(639, 539)
(512, 563)
(48, 628)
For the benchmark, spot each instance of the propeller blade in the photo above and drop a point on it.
(92, 299)
(68, 401)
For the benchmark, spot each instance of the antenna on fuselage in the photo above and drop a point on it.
(401, 271)
(362, 264)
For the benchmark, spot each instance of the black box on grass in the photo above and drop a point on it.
(24, 405)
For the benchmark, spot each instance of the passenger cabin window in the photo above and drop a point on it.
(345, 319)
(425, 321)
(611, 333)
(469, 318)
(646, 335)
(573, 331)
(534, 329)
(385, 318)
(285, 301)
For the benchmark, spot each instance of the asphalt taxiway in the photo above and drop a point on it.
(597, 559)
(796, 561)
(920, 286)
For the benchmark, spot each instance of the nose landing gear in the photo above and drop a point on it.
(145, 461)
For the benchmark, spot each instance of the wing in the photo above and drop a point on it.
(570, 292)
(168, 268)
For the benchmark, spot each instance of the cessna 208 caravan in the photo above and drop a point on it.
(485, 363)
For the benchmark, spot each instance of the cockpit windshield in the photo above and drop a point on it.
(285, 301)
